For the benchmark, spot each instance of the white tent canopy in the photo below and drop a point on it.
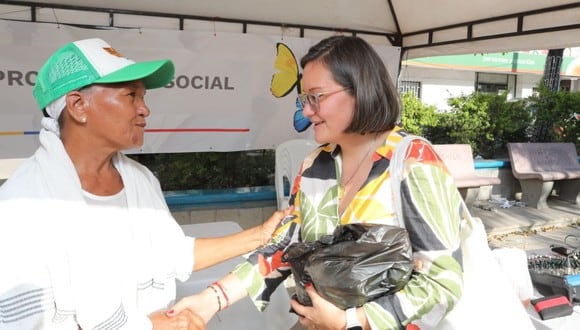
(420, 27)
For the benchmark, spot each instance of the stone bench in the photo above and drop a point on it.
(538, 165)
(459, 160)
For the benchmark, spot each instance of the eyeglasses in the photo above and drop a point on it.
(314, 99)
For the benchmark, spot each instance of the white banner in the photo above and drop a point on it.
(220, 99)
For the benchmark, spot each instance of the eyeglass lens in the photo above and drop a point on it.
(314, 99)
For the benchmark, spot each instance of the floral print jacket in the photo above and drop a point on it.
(431, 209)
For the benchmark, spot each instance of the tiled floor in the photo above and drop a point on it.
(530, 228)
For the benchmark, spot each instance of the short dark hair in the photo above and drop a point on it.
(356, 65)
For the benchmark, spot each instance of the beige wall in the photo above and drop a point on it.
(246, 217)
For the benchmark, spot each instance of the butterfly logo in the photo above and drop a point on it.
(285, 79)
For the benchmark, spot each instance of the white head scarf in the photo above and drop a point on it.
(54, 110)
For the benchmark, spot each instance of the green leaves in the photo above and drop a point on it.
(488, 122)
(211, 170)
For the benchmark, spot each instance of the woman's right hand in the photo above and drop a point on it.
(184, 320)
(204, 304)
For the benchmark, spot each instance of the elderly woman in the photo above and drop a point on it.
(113, 250)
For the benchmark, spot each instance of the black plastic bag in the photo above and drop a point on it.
(356, 264)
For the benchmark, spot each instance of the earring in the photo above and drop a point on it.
(83, 120)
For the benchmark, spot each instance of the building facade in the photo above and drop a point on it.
(436, 79)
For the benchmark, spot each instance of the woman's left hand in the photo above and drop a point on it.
(321, 315)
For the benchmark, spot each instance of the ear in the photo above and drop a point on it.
(77, 106)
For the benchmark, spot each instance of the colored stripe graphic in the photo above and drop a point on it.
(153, 130)
(196, 130)
(20, 133)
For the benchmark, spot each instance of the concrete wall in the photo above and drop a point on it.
(246, 217)
(437, 86)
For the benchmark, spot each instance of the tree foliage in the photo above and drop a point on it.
(211, 170)
(488, 122)
(417, 117)
(554, 116)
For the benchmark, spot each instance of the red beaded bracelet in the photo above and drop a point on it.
(217, 296)
(218, 284)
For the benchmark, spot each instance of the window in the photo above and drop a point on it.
(496, 83)
(413, 87)
(565, 85)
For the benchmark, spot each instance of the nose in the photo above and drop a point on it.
(143, 109)
(308, 110)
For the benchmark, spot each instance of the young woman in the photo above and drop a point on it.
(354, 107)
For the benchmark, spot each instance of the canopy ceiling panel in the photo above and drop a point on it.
(419, 27)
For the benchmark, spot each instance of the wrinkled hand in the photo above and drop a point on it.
(184, 320)
(269, 226)
(322, 315)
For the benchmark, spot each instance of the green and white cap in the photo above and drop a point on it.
(93, 61)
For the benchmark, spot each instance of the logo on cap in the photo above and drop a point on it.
(112, 51)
